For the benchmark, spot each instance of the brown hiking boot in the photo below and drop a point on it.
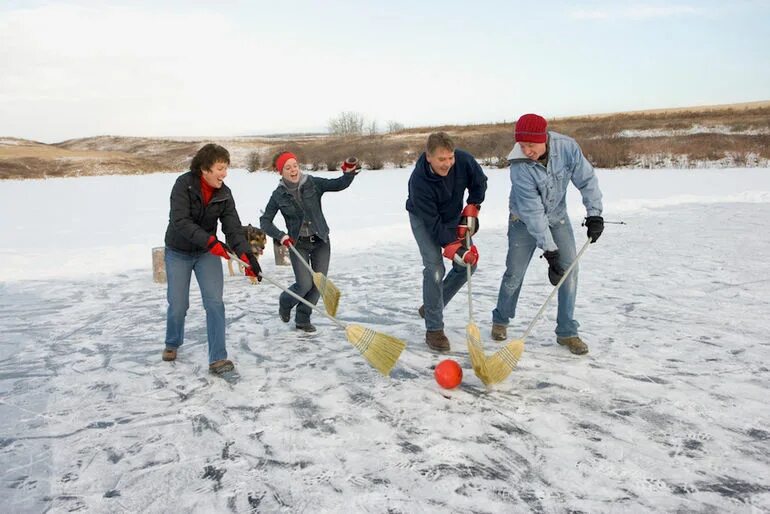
(574, 343)
(436, 340)
(222, 366)
(421, 311)
(169, 354)
(499, 332)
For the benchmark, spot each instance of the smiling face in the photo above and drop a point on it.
(215, 176)
(533, 151)
(441, 160)
(290, 171)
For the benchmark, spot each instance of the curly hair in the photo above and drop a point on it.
(209, 155)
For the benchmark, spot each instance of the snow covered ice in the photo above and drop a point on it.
(668, 411)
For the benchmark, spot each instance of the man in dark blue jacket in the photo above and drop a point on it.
(439, 221)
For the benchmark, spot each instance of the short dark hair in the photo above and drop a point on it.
(439, 140)
(207, 156)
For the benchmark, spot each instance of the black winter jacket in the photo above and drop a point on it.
(190, 224)
(438, 200)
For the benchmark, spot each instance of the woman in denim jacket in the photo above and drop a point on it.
(298, 197)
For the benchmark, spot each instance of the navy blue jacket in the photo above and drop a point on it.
(294, 213)
(438, 200)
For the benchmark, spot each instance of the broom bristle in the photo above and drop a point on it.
(380, 350)
(329, 293)
(476, 353)
(500, 365)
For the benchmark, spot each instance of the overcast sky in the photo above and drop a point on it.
(189, 68)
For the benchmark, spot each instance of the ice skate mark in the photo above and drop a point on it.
(69, 477)
(23, 482)
(66, 502)
(112, 493)
(528, 496)
(113, 456)
(629, 307)
(214, 474)
(755, 433)
(248, 412)
(510, 429)
(254, 500)
(324, 478)
(473, 470)
(642, 378)
(201, 423)
(730, 487)
(408, 447)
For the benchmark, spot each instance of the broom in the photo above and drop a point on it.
(500, 365)
(380, 350)
(329, 292)
(472, 334)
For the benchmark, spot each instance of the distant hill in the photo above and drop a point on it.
(715, 136)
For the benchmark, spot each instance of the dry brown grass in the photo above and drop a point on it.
(490, 143)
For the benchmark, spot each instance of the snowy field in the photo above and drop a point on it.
(668, 411)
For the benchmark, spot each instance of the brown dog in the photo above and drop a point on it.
(257, 240)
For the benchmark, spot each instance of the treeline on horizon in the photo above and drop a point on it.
(740, 135)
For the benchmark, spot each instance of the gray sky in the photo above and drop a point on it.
(83, 68)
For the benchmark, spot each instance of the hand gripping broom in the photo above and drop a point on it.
(380, 350)
(329, 292)
(500, 365)
(472, 334)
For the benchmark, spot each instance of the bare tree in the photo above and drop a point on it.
(371, 128)
(394, 126)
(347, 123)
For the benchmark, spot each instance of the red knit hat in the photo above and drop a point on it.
(531, 128)
(280, 162)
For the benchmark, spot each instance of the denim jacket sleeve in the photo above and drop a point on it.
(526, 197)
(584, 178)
(334, 184)
(266, 220)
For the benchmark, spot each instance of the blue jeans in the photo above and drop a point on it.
(317, 252)
(521, 246)
(208, 273)
(437, 290)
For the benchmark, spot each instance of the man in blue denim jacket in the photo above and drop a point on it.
(543, 163)
(439, 222)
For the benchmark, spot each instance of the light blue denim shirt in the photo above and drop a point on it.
(539, 193)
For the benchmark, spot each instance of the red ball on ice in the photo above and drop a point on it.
(448, 374)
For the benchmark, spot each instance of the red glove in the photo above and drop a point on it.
(351, 165)
(458, 253)
(287, 241)
(255, 270)
(469, 220)
(217, 248)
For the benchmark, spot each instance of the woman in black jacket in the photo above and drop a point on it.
(199, 200)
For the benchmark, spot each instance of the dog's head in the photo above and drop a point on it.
(256, 239)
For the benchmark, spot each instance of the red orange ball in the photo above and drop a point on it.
(448, 374)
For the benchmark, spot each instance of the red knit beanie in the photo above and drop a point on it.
(531, 128)
(280, 162)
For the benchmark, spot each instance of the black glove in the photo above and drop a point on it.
(555, 271)
(595, 226)
(256, 269)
